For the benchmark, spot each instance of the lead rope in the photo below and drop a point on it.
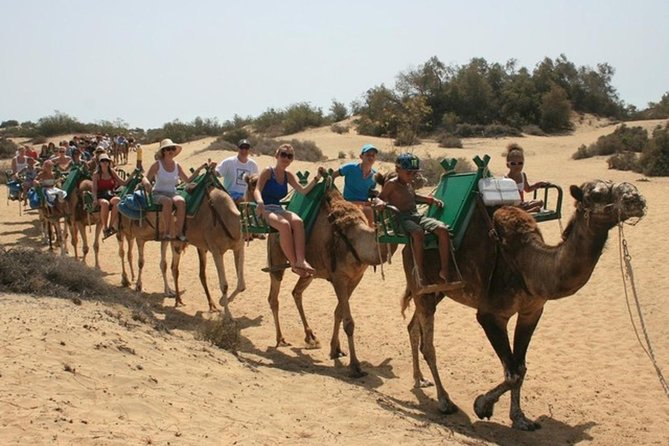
(378, 250)
(628, 273)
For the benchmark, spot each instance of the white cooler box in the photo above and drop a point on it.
(499, 191)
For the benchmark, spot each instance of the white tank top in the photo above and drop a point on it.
(166, 181)
(21, 166)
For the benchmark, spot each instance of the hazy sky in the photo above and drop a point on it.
(150, 62)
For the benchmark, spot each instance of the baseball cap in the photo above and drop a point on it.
(408, 161)
(244, 142)
(367, 147)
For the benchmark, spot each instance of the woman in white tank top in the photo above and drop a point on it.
(166, 173)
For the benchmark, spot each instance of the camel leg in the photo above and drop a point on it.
(514, 372)
(96, 245)
(176, 257)
(300, 286)
(140, 263)
(72, 227)
(525, 327)
(426, 306)
(124, 275)
(163, 268)
(414, 339)
(222, 283)
(273, 299)
(202, 257)
(239, 268)
(343, 290)
(60, 236)
(335, 346)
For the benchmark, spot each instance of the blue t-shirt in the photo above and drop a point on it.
(356, 188)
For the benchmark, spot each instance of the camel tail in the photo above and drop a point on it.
(405, 301)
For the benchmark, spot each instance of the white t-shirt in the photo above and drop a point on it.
(232, 170)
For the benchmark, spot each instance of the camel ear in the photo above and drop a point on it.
(379, 178)
(576, 192)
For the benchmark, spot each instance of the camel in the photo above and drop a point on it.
(340, 248)
(80, 219)
(215, 228)
(140, 232)
(517, 274)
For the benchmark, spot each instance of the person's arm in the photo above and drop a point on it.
(304, 190)
(187, 179)
(429, 199)
(537, 185)
(257, 192)
(117, 179)
(151, 174)
(94, 189)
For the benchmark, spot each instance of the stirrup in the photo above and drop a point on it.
(275, 268)
(440, 287)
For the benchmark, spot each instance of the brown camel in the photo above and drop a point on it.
(215, 228)
(517, 274)
(140, 232)
(340, 248)
(80, 219)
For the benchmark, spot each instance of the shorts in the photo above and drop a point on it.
(158, 194)
(276, 208)
(236, 196)
(105, 195)
(414, 221)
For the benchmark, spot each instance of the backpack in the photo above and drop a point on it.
(134, 205)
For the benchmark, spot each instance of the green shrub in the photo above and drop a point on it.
(624, 161)
(9, 123)
(654, 160)
(234, 135)
(338, 128)
(449, 141)
(533, 129)
(59, 124)
(581, 153)
(8, 148)
(338, 111)
(406, 137)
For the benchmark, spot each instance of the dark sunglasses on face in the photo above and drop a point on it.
(170, 149)
(245, 148)
(286, 155)
(515, 163)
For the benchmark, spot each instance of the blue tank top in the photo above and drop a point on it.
(274, 192)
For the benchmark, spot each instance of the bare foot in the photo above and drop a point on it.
(443, 275)
(305, 266)
(302, 272)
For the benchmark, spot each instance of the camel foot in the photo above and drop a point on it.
(213, 308)
(311, 341)
(421, 383)
(179, 303)
(138, 287)
(483, 407)
(521, 422)
(282, 343)
(125, 282)
(337, 353)
(447, 407)
(356, 372)
(169, 292)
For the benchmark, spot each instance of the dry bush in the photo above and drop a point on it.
(222, 331)
(339, 129)
(449, 141)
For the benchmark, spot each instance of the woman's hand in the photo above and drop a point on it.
(437, 202)
(260, 208)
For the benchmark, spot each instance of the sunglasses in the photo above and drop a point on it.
(515, 163)
(244, 147)
(286, 155)
(170, 149)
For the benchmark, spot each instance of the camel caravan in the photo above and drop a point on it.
(475, 240)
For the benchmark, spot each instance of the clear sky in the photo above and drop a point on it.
(150, 62)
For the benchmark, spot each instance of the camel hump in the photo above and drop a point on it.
(514, 224)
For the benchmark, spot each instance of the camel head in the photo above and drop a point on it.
(609, 203)
(252, 182)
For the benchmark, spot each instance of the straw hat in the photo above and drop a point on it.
(104, 157)
(164, 144)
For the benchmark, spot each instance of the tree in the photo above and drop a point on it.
(338, 111)
(555, 110)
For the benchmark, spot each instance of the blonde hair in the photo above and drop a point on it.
(285, 148)
(513, 149)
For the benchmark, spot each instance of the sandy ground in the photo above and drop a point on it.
(90, 374)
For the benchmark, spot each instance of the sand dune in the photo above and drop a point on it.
(588, 380)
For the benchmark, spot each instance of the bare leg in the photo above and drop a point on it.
(444, 252)
(104, 213)
(180, 206)
(113, 223)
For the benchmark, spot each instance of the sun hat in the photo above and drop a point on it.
(368, 147)
(104, 157)
(243, 142)
(408, 161)
(100, 149)
(164, 144)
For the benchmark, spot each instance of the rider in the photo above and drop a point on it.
(235, 168)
